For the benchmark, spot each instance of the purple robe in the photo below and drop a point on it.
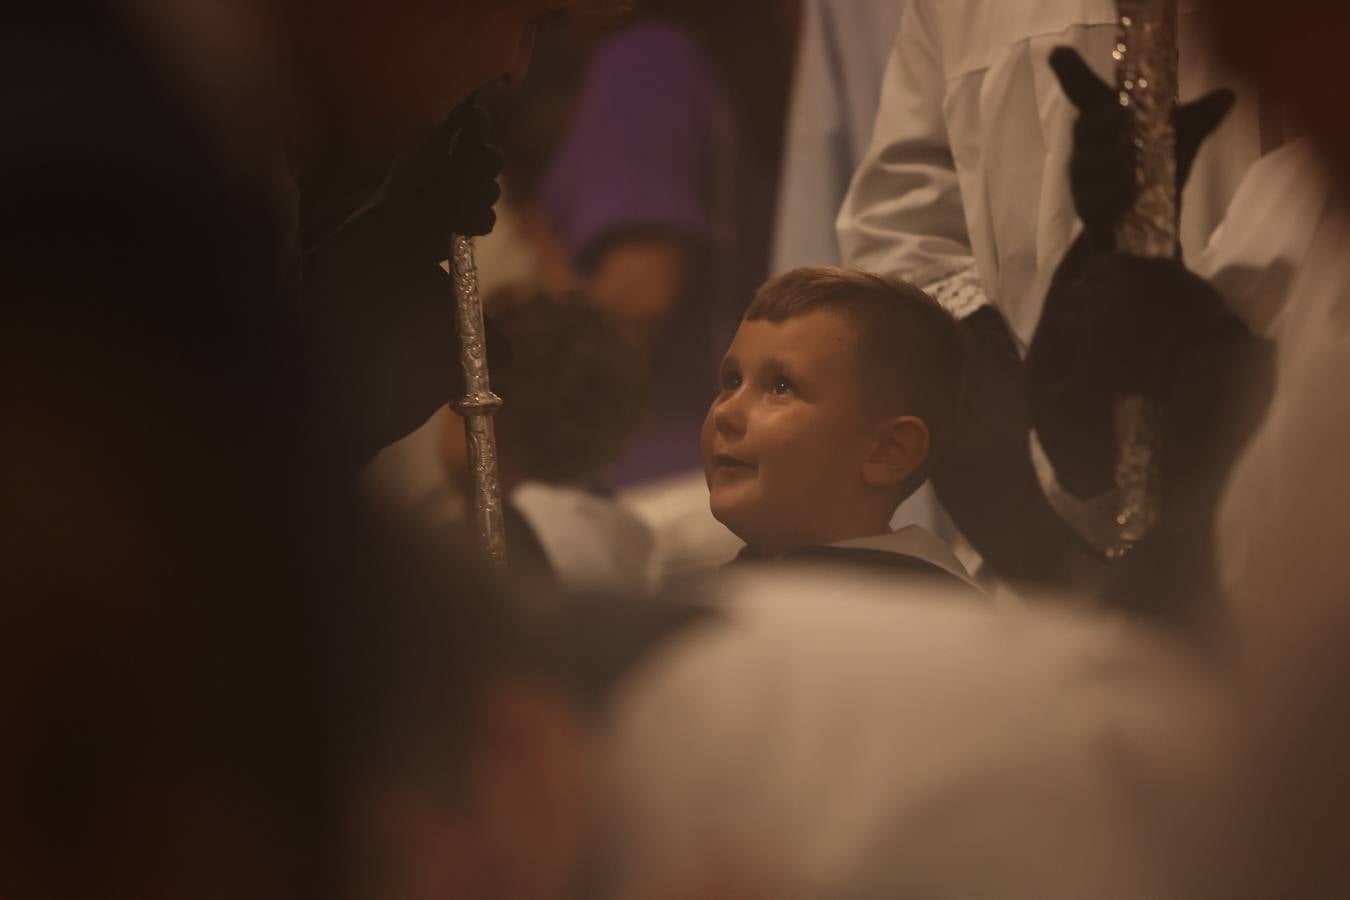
(653, 146)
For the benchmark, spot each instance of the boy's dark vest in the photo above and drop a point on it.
(879, 560)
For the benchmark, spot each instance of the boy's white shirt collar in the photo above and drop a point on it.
(915, 541)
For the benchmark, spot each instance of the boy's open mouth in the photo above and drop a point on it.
(727, 461)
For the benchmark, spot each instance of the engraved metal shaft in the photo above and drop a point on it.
(478, 403)
(1146, 53)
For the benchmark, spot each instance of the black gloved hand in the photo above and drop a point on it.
(445, 185)
(1123, 325)
(1119, 325)
(1101, 170)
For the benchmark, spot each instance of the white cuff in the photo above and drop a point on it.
(960, 292)
(1094, 519)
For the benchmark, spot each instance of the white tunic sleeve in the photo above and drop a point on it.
(840, 64)
(903, 214)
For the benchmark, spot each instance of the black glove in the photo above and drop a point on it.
(1101, 170)
(447, 185)
(443, 186)
(1118, 325)
(1127, 325)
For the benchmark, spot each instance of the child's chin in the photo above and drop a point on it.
(731, 511)
(721, 510)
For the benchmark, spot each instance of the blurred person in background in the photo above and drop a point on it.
(180, 530)
(660, 192)
(370, 231)
(770, 740)
(162, 664)
(1282, 520)
(295, 161)
(572, 398)
(1282, 513)
(469, 770)
(1295, 775)
(901, 741)
(640, 166)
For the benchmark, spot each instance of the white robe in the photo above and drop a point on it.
(593, 543)
(841, 57)
(965, 188)
(1284, 521)
(902, 742)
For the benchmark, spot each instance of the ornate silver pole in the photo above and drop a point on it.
(478, 403)
(1147, 56)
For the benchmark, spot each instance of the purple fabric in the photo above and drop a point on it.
(654, 145)
(644, 145)
(660, 449)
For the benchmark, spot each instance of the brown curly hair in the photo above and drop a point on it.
(574, 391)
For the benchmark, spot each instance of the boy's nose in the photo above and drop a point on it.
(729, 415)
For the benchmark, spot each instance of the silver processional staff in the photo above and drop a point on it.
(478, 404)
(1146, 54)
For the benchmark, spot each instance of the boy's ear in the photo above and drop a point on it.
(900, 448)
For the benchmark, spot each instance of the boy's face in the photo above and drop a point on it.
(786, 437)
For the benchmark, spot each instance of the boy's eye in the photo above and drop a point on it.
(782, 387)
(731, 381)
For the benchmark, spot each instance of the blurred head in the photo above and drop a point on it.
(373, 75)
(234, 685)
(838, 389)
(1293, 53)
(159, 668)
(471, 770)
(1282, 825)
(573, 394)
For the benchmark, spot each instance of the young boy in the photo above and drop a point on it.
(838, 391)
